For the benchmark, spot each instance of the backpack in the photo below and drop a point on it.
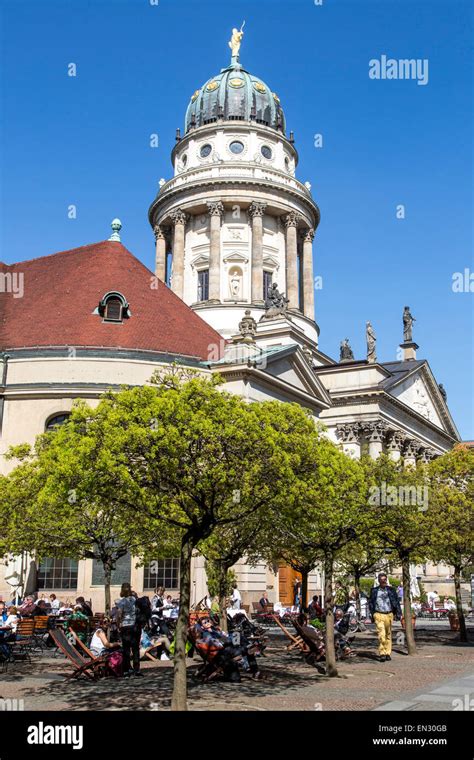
(142, 611)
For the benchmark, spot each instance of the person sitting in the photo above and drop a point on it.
(41, 608)
(315, 611)
(11, 621)
(28, 607)
(155, 645)
(231, 652)
(311, 632)
(86, 609)
(340, 630)
(100, 644)
(448, 604)
(5, 634)
(79, 615)
(3, 613)
(264, 602)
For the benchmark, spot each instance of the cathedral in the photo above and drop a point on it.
(233, 292)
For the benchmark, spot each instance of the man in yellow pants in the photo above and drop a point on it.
(384, 605)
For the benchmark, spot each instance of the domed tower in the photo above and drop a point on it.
(234, 217)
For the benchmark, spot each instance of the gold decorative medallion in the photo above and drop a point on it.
(259, 87)
(236, 82)
(194, 96)
(277, 99)
(212, 86)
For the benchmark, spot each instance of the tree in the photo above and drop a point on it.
(359, 558)
(452, 516)
(400, 495)
(58, 503)
(225, 548)
(323, 511)
(171, 456)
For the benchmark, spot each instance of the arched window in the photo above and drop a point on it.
(113, 307)
(113, 310)
(56, 420)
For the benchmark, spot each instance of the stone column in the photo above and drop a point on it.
(394, 447)
(291, 222)
(179, 219)
(216, 210)
(376, 433)
(256, 212)
(350, 437)
(409, 455)
(160, 257)
(308, 279)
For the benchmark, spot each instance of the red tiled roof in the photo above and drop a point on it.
(62, 291)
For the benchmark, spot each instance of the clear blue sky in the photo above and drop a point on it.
(85, 141)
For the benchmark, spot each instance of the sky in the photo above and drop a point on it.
(393, 177)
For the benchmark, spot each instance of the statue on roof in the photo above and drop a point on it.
(371, 339)
(408, 320)
(236, 40)
(276, 304)
(346, 354)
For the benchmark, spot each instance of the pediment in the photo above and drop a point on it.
(292, 368)
(420, 392)
(235, 257)
(271, 261)
(200, 261)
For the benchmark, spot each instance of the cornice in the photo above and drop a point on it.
(230, 184)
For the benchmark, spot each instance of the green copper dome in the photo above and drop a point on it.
(235, 95)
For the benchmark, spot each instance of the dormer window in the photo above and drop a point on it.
(114, 308)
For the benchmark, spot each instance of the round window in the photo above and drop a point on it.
(266, 151)
(236, 146)
(205, 150)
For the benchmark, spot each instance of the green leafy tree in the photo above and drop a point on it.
(361, 557)
(224, 548)
(400, 495)
(452, 516)
(171, 456)
(321, 513)
(58, 503)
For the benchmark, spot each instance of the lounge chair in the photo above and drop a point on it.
(296, 642)
(91, 668)
(314, 643)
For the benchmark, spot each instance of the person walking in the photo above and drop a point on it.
(130, 631)
(384, 605)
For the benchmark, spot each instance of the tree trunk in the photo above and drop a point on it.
(460, 611)
(357, 594)
(304, 590)
(107, 584)
(222, 581)
(331, 669)
(179, 698)
(407, 613)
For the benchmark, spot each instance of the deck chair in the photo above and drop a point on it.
(210, 667)
(314, 653)
(91, 668)
(296, 642)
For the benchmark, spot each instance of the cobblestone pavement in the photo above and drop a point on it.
(441, 672)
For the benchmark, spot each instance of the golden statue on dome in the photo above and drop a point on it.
(236, 40)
